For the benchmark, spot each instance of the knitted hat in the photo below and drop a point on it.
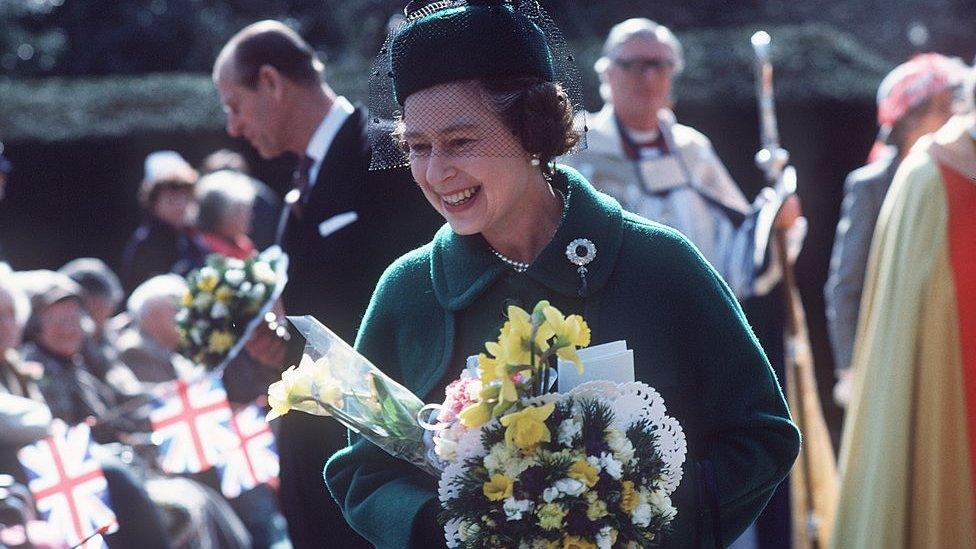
(476, 40)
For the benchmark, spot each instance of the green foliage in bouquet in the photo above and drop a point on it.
(223, 297)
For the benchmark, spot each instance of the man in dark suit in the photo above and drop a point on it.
(343, 226)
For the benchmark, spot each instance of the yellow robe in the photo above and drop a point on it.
(906, 452)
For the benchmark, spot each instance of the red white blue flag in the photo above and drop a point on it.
(191, 425)
(254, 460)
(68, 485)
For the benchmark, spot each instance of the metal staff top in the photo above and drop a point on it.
(771, 159)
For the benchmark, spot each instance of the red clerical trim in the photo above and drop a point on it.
(961, 196)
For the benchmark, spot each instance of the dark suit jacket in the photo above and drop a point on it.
(332, 278)
(864, 193)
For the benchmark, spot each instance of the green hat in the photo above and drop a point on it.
(478, 40)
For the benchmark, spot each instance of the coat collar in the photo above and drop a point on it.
(463, 267)
(953, 145)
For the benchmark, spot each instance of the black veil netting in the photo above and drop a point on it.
(385, 111)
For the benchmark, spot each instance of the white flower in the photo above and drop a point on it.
(246, 287)
(620, 445)
(603, 540)
(196, 336)
(263, 273)
(257, 292)
(515, 507)
(550, 494)
(219, 310)
(202, 301)
(445, 448)
(570, 486)
(613, 467)
(181, 316)
(641, 516)
(234, 263)
(568, 430)
(498, 458)
(234, 277)
(661, 503)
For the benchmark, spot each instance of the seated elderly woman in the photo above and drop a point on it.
(482, 118)
(225, 200)
(165, 241)
(101, 293)
(55, 336)
(149, 346)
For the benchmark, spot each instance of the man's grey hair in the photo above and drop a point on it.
(639, 27)
(168, 287)
(9, 286)
(218, 194)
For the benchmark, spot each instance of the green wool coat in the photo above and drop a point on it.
(647, 285)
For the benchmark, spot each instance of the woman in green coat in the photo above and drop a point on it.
(482, 119)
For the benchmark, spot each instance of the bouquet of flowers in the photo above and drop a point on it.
(225, 301)
(518, 465)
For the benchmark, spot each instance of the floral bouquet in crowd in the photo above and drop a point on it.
(225, 301)
(519, 466)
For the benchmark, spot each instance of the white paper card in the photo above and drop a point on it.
(607, 362)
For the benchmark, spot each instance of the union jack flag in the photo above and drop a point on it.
(191, 425)
(68, 486)
(254, 460)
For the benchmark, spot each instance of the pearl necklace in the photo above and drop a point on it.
(522, 266)
(517, 266)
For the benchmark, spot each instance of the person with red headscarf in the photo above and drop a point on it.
(915, 99)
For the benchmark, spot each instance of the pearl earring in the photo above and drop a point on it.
(535, 160)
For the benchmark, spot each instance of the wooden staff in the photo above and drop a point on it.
(814, 480)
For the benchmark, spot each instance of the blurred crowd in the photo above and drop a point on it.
(87, 345)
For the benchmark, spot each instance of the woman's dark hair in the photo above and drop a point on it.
(537, 112)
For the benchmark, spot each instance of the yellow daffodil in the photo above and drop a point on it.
(219, 341)
(584, 472)
(294, 387)
(207, 280)
(527, 428)
(475, 415)
(551, 516)
(571, 332)
(187, 299)
(491, 368)
(224, 294)
(498, 488)
(308, 387)
(629, 498)
(577, 542)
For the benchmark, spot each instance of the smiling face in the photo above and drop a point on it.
(252, 113)
(471, 168)
(639, 79)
